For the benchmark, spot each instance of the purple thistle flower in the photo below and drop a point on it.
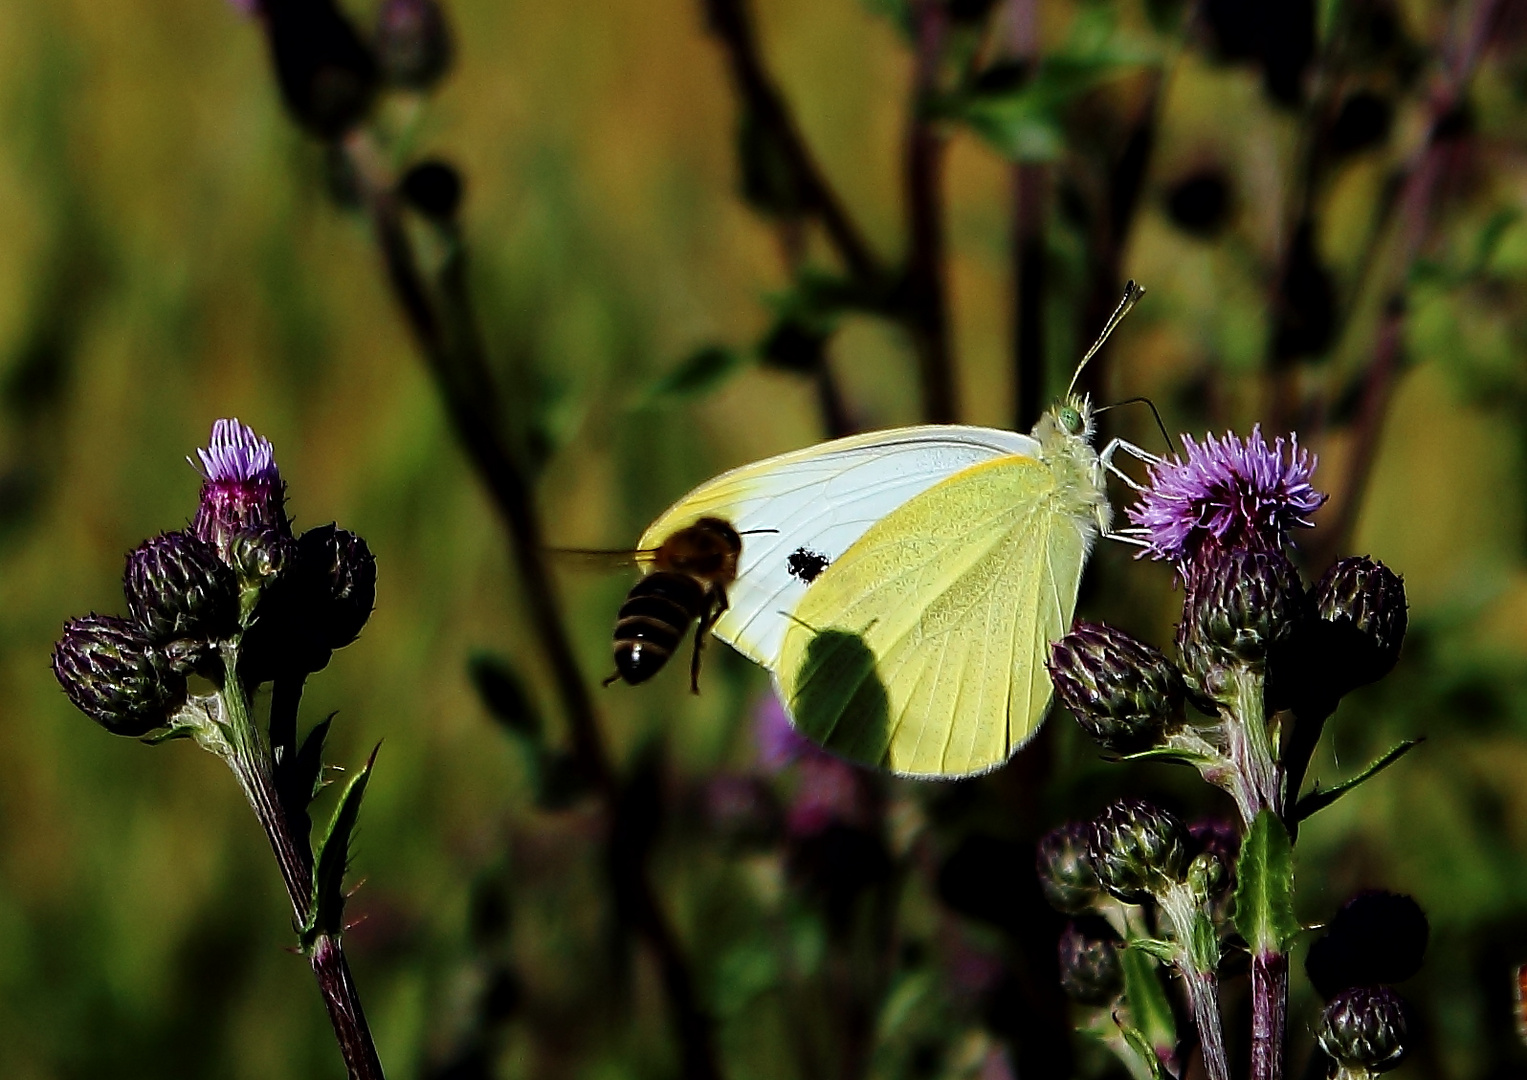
(241, 490)
(1228, 494)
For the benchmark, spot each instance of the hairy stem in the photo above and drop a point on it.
(1203, 999)
(252, 767)
(1253, 749)
(1269, 1014)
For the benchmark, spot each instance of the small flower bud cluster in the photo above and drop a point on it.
(237, 576)
(1125, 694)
(1377, 939)
(1137, 854)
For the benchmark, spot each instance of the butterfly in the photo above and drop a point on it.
(905, 585)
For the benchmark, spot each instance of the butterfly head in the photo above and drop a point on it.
(1069, 419)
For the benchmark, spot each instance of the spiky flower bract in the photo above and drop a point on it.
(1227, 493)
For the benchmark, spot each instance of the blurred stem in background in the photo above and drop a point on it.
(440, 316)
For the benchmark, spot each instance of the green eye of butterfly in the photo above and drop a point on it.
(1071, 420)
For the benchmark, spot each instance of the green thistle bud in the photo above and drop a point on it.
(1124, 693)
(177, 587)
(1363, 603)
(1364, 1028)
(114, 676)
(1090, 971)
(1139, 850)
(1065, 869)
(1241, 604)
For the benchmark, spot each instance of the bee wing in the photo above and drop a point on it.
(820, 499)
(600, 558)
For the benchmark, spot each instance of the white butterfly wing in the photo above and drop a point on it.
(820, 499)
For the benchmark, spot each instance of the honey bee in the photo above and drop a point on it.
(690, 573)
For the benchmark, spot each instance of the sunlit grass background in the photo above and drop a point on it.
(170, 256)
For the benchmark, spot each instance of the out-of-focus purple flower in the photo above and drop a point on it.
(246, 7)
(828, 790)
(779, 744)
(241, 487)
(1228, 493)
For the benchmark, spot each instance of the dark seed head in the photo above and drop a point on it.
(177, 587)
(1365, 1027)
(1090, 971)
(1139, 850)
(1065, 868)
(114, 676)
(1124, 693)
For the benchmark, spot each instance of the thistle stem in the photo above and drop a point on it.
(1203, 999)
(1269, 1014)
(252, 766)
(1197, 962)
(1252, 746)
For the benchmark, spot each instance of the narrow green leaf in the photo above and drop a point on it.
(1203, 949)
(1164, 951)
(326, 915)
(298, 779)
(1264, 890)
(1318, 800)
(1143, 1053)
(1149, 1008)
(699, 374)
(1170, 754)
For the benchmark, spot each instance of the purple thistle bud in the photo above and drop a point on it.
(1364, 604)
(1377, 937)
(177, 587)
(1139, 850)
(1240, 605)
(319, 601)
(241, 486)
(413, 43)
(1090, 969)
(1065, 869)
(1229, 493)
(1124, 693)
(1364, 1029)
(114, 676)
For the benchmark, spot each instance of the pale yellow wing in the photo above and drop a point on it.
(819, 500)
(921, 649)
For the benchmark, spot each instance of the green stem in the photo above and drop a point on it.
(1252, 747)
(252, 765)
(1198, 963)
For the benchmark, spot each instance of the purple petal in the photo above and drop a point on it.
(236, 455)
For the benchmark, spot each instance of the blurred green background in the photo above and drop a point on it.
(171, 255)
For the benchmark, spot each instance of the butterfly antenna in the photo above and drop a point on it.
(1160, 425)
(1132, 294)
(756, 532)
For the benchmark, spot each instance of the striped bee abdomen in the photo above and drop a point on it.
(653, 620)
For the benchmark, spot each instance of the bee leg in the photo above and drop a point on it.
(707, 621)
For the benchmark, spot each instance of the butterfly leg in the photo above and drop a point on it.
(1113, 447)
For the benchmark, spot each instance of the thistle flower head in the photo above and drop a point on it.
(241, 486)
(1227, 493)
(1124, 693)
(1138, 850)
